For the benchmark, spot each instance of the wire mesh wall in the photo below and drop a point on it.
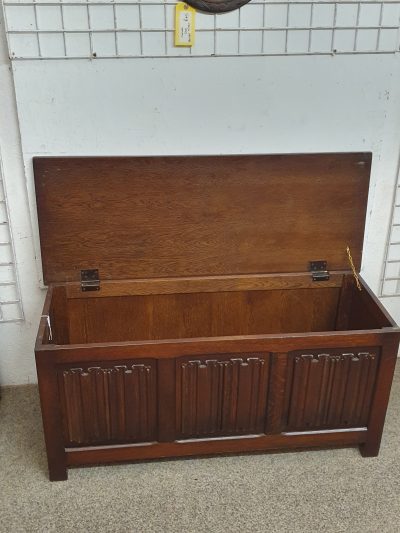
(10, 298)
(74, 29)
(390, 283)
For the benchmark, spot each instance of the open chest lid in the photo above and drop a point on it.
(154, 217)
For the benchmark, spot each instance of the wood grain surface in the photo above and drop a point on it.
(149, 217)
(179, 316)
(208, 334)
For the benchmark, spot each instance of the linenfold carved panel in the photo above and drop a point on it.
(332, 389)
(108, 404)
(222, 396)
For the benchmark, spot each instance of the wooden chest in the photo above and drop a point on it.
(207, 305)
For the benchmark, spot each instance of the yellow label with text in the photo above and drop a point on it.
(184, 24)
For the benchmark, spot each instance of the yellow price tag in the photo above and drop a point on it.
(184, 24)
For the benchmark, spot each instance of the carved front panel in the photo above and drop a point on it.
(221, 396)
(330, 389)
(104, 404)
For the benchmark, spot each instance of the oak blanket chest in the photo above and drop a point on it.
(207, 305)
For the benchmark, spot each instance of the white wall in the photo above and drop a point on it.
(16, 340)
(201, 106)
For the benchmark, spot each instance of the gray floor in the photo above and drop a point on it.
(330, 491)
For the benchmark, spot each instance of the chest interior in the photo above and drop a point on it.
(338, 307)
(215, 246)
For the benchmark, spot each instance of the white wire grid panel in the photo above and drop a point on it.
(75, 29)
(390, 283)
(10, 298)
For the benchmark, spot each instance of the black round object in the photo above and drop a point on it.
(216, 6)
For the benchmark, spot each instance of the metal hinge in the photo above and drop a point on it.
(319, 270)
(90, 280)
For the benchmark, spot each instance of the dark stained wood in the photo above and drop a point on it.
(166, 422)
(161, 349)
(51, 415)
(367, 312)
(344, 305)
(150, 217)
(375, 306)
(276, 399)
(256, 443)
(377, 413)
(339, 391)
(108, 403)
(207, 335)
(249, 282)
(201, 315)
(221, 396)
(332, 389)
(58, 314)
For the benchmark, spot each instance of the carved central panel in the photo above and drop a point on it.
(103, 405)
(330, 390)
(222, 396)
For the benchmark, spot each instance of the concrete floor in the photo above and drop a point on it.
(313, 491)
